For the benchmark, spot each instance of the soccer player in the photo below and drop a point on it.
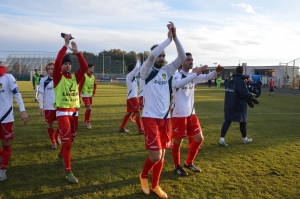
(184, 120)
(219, 80)
(87, 88)
(156, 117)
(132, 103)
(8, 86)
(46, 102)
(36, 82)
(67, 103)
(271, 87)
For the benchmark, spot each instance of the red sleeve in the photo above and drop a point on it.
(83, 67)
(58, 66)
(95, 86)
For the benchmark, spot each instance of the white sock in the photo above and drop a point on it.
(222, 139)
(245, 138)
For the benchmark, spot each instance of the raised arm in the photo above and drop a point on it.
(181, 54)
(145, 69)
(137, 65)
(82, 62)
(171, 68)
(58, 62)
(152, 56)
(211, 75)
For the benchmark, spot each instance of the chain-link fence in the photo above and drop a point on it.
(290, 74)
(107, 65)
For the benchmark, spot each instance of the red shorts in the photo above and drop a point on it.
(50, 115)
(141, 101)
(6, 131)
(67, 126)
(133, 105)
(157, 133)
(87, 101)
(185, 126)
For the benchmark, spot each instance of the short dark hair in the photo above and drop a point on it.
(35, 70)
(90, 65)
(239, 69)
(188, 54)
(154, 46)
(130, 67)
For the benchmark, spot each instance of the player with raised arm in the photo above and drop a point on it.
(184, 120)
(67, 101)
(87, 88)
(156, 116)
(46, 102)
(8, 86)
(132, 103)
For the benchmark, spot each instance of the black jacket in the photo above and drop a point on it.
(235, 104)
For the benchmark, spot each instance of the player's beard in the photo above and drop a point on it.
(158, 64)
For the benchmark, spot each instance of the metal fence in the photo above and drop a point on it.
(291, 74)
(22, 64)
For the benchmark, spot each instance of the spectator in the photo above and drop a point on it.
(235, 105)
(271, 88)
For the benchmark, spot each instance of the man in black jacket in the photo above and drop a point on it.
(235, 105)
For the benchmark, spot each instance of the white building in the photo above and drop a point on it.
(284, 76)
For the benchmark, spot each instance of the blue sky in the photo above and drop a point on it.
(223, 31)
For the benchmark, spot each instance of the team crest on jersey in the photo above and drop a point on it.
(0, 85)
(164, 76)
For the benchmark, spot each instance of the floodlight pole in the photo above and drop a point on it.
(293, 73)
(103, 66)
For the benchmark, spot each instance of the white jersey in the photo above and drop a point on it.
(157, 91)
(183, 85)
(131, 81)
(46, 93)
(8, 85)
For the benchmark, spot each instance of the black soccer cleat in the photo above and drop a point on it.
(179, 171)
(192, 167)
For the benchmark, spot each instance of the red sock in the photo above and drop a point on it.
(87, 116)
(176, 154)
(191, 139)
(139, 123)
(125, 119)
(67, 155)
(6, 153)
(157, 169)
(51, 135)
(148, 165)
(0, 151)
(193, 150)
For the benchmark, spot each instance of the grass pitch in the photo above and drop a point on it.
(107, 163)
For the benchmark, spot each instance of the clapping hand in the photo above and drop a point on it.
(74, 47)
(199, 70)
(219, 68)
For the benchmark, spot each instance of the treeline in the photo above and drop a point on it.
(118, 54)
